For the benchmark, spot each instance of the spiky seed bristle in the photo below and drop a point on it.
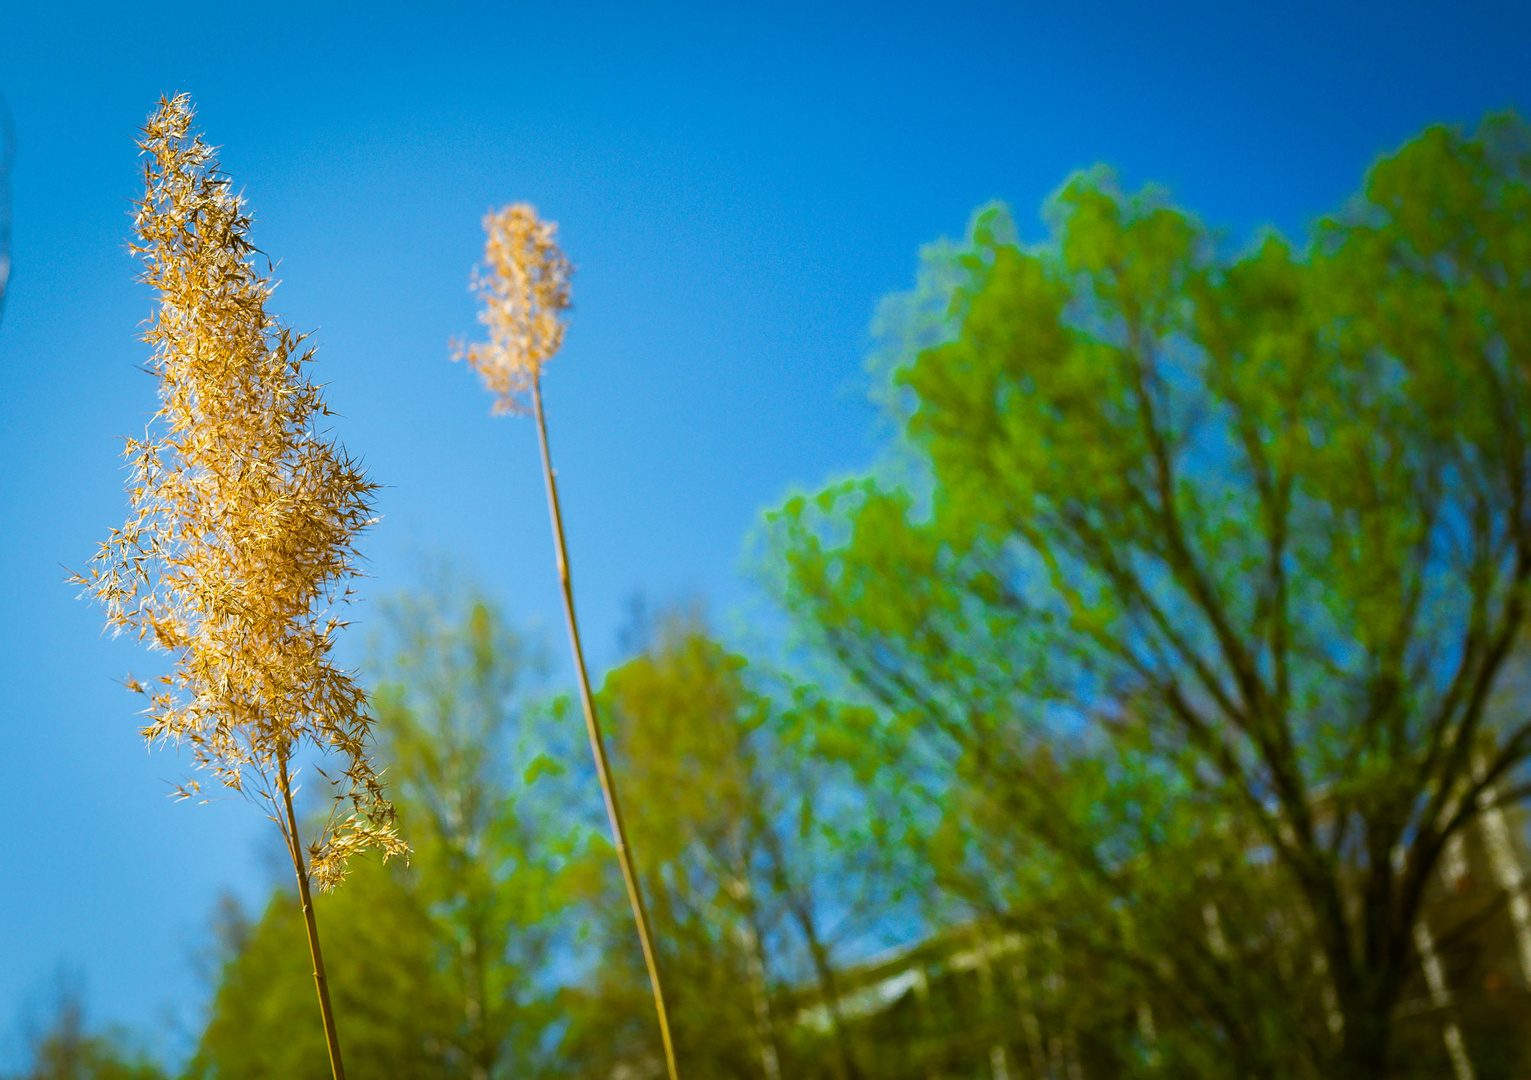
(243, 517)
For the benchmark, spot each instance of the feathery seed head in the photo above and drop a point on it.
(243, 516)
(525, 290)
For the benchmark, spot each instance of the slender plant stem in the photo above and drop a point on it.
(321, 983)
(598, 746)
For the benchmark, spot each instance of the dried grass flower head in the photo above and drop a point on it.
(240, 540)
(525, 289)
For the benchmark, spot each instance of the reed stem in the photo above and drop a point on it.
(598, 746)
(321, 983)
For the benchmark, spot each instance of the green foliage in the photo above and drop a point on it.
(392, 1005)
(67, 1051)
(680, 721)
(1223, 561)
(438, 969)
(753, 853)
(495, 865)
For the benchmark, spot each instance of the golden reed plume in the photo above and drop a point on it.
(525, 290)
(525, 293)
(240, 540)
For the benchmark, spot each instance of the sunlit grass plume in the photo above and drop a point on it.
(240, 540)
(525, 290)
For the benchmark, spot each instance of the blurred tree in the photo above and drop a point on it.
(488, 858)
(741, 854)
(1192, 643)
(67, 1051)
(392, 1000)
(446, 975)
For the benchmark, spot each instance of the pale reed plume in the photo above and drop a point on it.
(525, 293)
(525, 289)
(240, 538)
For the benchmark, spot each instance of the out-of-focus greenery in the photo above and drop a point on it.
(505, 948)
(392, 1003)
(66, 1050)
(756, 874)
(1195, 631)
(439, 968)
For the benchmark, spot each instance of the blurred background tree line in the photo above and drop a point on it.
(1172, 718)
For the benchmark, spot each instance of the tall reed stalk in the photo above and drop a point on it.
(525, 293)
(240, 539)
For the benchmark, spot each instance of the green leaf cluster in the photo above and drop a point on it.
(440, 969)
(1223, 559)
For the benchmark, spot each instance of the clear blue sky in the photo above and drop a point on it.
(738, 186)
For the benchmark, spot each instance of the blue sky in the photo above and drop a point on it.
(738, 188)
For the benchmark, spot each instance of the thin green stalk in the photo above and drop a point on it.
(598, 746)
(321, 983)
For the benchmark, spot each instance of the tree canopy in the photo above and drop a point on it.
(440, 967)
(1223, 555)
